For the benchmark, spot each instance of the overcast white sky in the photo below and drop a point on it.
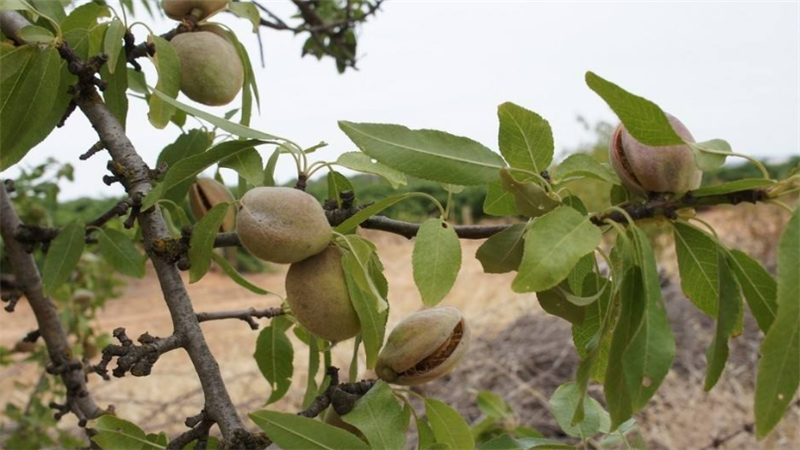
(728, 70)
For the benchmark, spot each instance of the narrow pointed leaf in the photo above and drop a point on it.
(201, 244)
(779, 366)
(730, 307)
(169, 82)
(293, 432)
(116, 434)
(113, 43)
(62, 257)
(759, 288)
(373, 322)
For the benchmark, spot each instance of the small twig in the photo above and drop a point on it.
(248, 315)
(199, 428)
(97, 147)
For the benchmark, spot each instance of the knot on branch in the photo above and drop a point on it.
(173, 250)
(28, 343)
(337, 211)
(341, 396)
(136, 359)
(31, 235)
(12, 298)
(246, 440)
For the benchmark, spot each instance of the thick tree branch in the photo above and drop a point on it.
(28, 280)
(248, 315)
(136, 181)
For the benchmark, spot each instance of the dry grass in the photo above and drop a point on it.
(518, 351)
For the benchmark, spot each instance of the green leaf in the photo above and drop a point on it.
(732, 186)
(710, 160)
(448, 425)
(554, 302)
(428, 154)
(274, 355)
(349, 225)
(188, 144)
(366, 304)
(646, 122)
(436, 260)
(63, 256)
(502, 252)
(236, 276)
(378, 415)
(185, 170)
(338, 183)
(226, 125)
(362, 163)
(248, 164)
(493, 405)
(269, 169)
(525, 138)
(425, 434)
(697, 264)
(168, 65)
(201, 244)
(581, 165)
(730, 308)
(117, 434)
(554, 243)
(115, 94)
(113, 43)
(779, 366)
(33, 34)
(85, 17)
(504, 442)
(54, 9)
(616, 388)
(120, 252)
(137, 82)
(246, 11)
(651, 347)
(313, 367)
(563, 403)
(16, 5)
(498, 201)
(159, 441)
(27, 100)
(530, 199)
(293, 432)
(758, 286)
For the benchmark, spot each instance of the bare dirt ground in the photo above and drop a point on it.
(518, 351)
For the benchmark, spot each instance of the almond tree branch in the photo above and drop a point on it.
(136, 181)
(248, 315)
(28, 280)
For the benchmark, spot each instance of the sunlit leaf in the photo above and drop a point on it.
(379, 417)
(118, 249)
(525, 138)
(201, 243)
(429, 154)
(448, 425)
(436, 260)
(274, 356)
(554, 243)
